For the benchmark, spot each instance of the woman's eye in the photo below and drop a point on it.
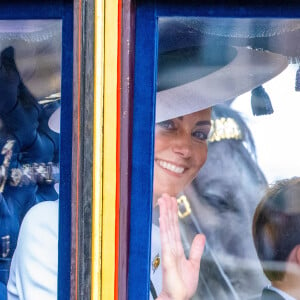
(168, 124)
(200, 135)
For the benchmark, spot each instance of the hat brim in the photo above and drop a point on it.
(249, 69)
(276, 35)
(54, 121)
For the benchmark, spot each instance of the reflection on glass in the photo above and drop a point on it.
(246, 69)
(30, 85)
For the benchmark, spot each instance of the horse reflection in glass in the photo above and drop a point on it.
(220, 203)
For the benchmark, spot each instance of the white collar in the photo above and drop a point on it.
(281, 293)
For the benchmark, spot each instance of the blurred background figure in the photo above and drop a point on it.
(276, 234)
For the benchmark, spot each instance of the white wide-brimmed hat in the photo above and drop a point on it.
(206, 61)
(37, 53)
(195, 78)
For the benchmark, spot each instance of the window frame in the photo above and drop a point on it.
(143, 123)
(62, 9)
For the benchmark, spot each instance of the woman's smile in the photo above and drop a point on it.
(173, 168)
(180, 151)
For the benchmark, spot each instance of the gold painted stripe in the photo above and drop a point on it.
(109, 148)
(97, 210)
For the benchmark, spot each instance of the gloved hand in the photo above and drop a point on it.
(9, 81)
(19, 110)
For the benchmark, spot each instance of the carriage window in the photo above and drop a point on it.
(30, 85)
(219, 162)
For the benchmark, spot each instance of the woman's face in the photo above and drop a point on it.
(180, 151)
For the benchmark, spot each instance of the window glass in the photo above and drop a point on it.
(30, 86)
(247, 71)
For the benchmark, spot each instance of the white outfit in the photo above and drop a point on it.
(33, 272)
(281, 293)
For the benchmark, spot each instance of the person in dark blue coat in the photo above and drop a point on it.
(25, 130)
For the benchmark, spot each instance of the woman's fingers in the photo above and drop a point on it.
(197, 249)
(177, 238)
(167, 230)
(169, 216)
